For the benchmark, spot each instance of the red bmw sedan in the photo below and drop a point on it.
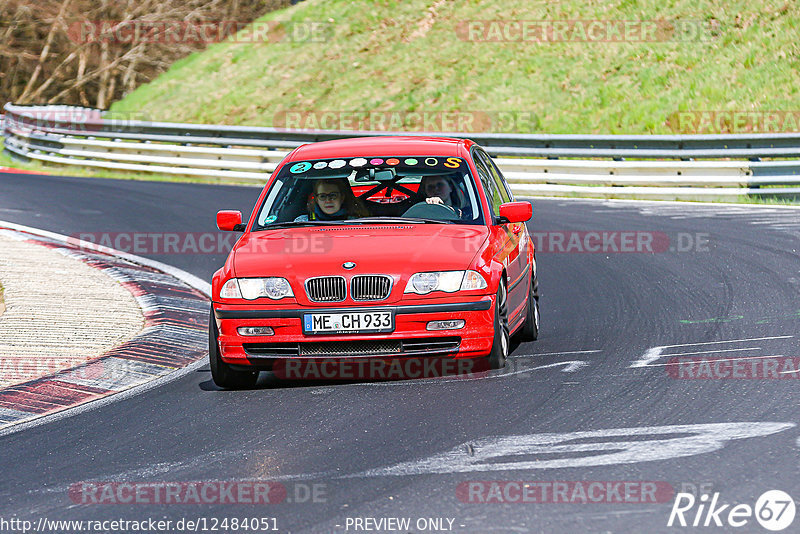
(368, 249)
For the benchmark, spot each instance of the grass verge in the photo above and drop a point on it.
(416, 56)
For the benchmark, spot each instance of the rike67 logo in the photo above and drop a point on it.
(774, 510)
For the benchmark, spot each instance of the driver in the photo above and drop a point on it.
(332, 200)
(440, 190)
(437, 190)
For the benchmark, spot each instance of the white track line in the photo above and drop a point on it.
(719, 360)
(725, 341)
(711, 351)
(558, 353)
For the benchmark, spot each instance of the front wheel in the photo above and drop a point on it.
(221, 372)
(499, 354)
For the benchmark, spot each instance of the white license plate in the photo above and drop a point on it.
(348, 322)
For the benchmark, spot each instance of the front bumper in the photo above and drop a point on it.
(410, 338)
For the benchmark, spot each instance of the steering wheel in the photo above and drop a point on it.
(441, 212)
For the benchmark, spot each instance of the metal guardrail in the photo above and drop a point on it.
(665, 166)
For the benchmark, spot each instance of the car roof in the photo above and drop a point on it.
(382, 146)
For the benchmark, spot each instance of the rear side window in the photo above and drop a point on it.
(497, 177)
(493, 195)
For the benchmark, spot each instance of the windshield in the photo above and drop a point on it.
(431, 189)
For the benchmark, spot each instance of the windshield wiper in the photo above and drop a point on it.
(400, 220)
(361, 220)
(290, 224)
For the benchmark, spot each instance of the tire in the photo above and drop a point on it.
(221, 372)
(530, 329)
(501, 342)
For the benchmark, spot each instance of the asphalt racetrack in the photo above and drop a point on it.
(608, 395)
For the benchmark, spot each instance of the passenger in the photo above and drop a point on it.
(333, 200)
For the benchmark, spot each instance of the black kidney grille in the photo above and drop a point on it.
(370, 287)
(326, 289)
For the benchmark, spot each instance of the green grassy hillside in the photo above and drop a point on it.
(414, 55)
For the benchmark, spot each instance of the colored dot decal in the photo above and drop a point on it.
(271, 219)
(392, 161)
(376, 161)
(411, 161)
(337, 164)
(430, 162)
(300, 167)
(358, 162)
(320, 164)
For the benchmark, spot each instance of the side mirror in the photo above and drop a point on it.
(515, 212)
(230, 221)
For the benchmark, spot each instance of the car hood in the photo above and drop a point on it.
(300, 253)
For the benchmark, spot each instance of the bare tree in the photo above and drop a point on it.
(92, 52)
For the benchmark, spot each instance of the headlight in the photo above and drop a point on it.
(275, 288)
(447, 281)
